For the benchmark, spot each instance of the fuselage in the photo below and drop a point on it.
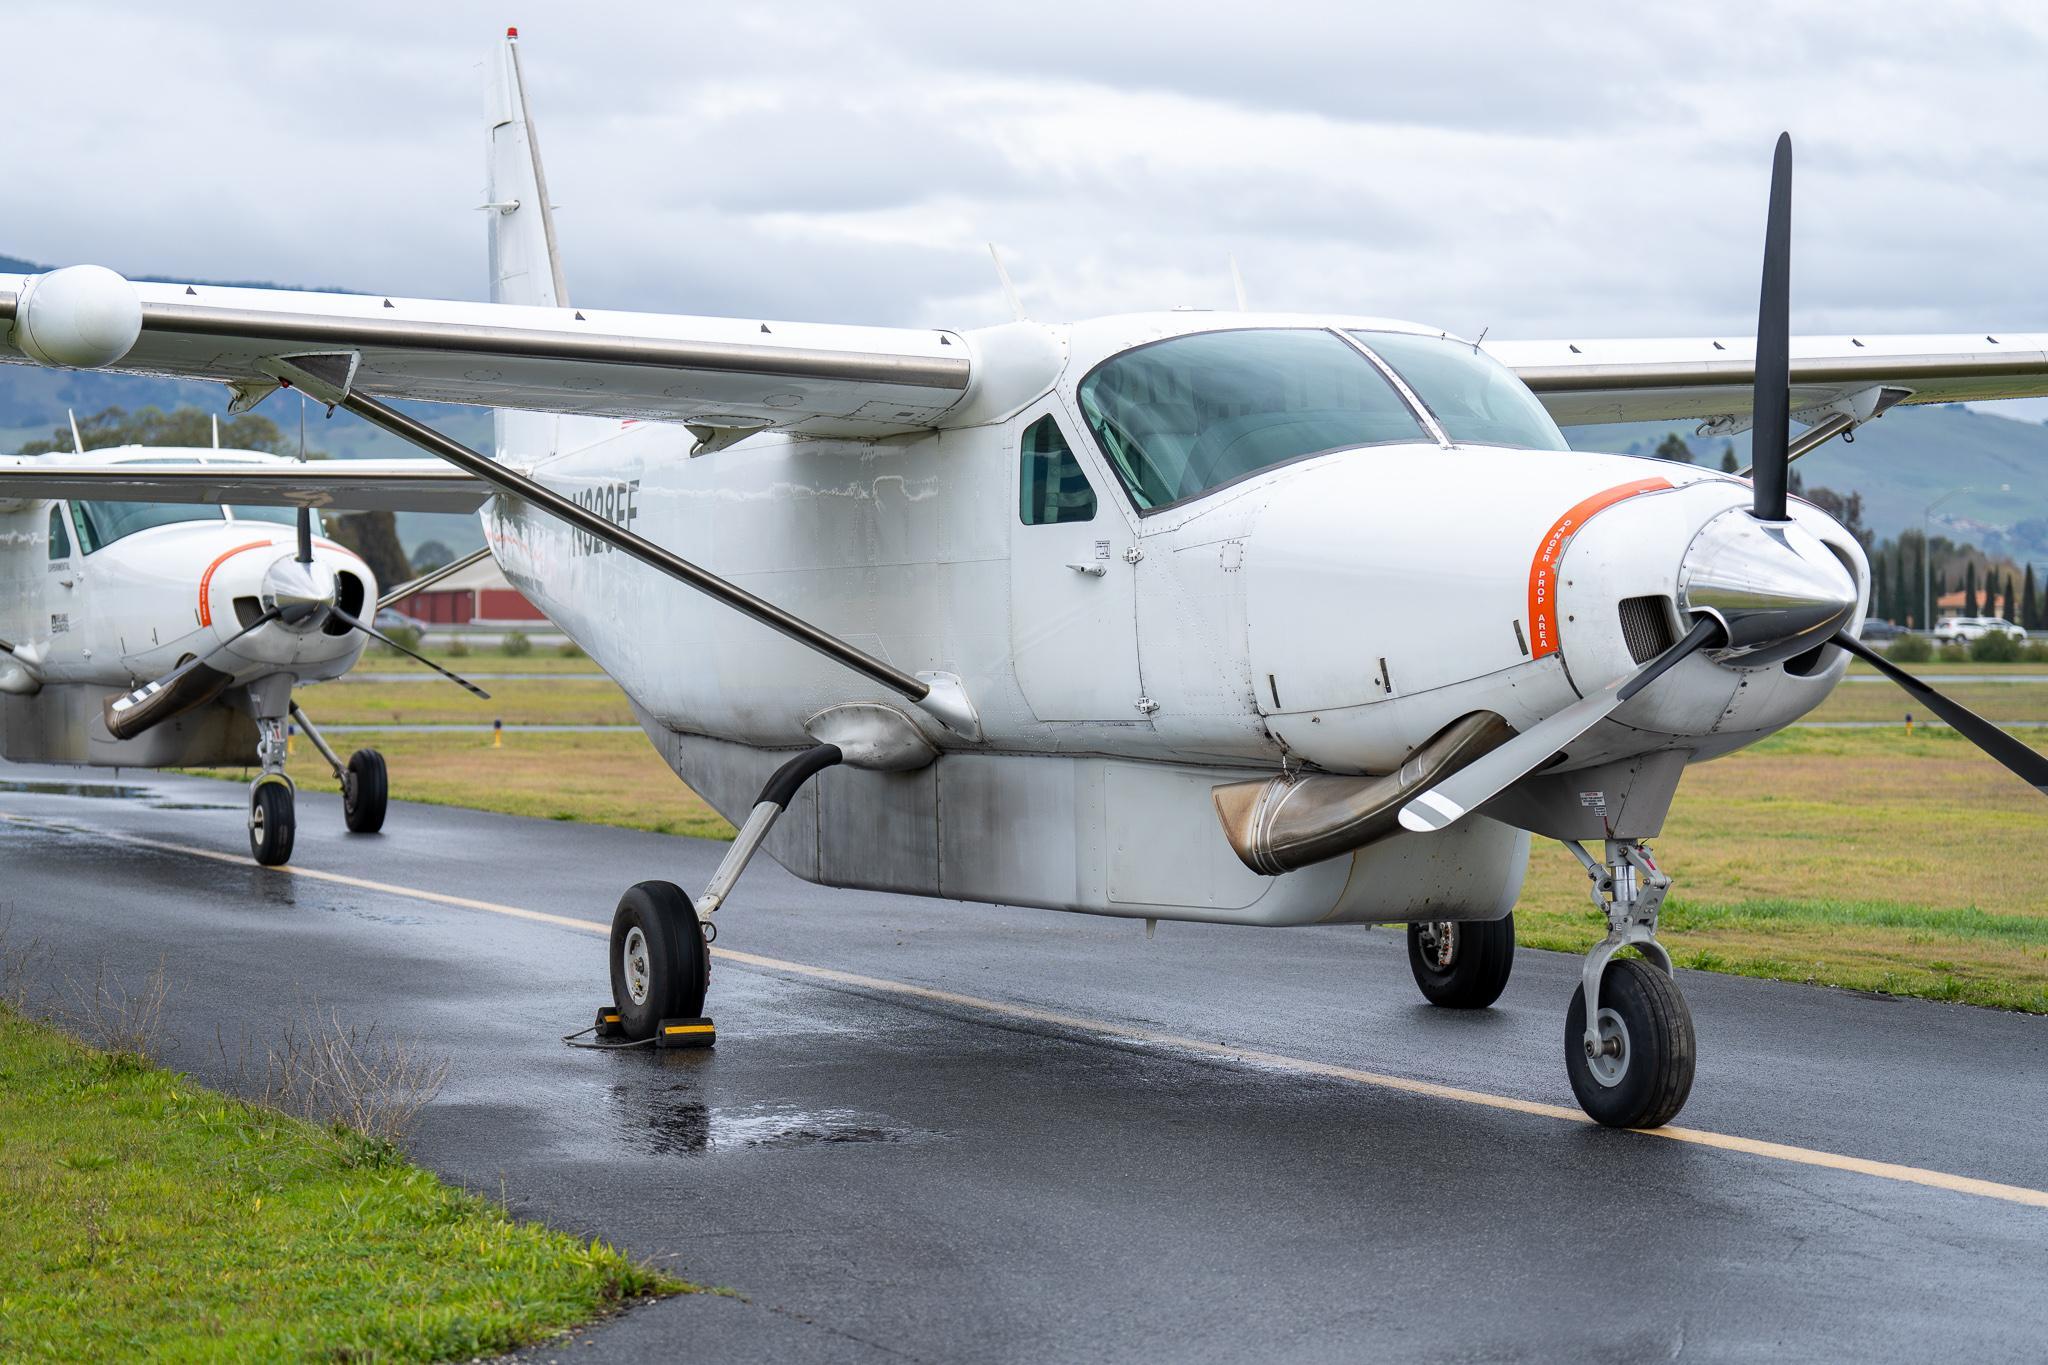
(1282, 597)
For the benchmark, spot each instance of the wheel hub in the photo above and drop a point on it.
(1609, 1061)
(633, 957)
(1440, 944)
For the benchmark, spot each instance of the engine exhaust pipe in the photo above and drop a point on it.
(1278, 824)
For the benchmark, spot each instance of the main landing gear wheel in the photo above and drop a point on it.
(661, 965)
(1642, 1072)
(271, 822)
(1462, 964)
(365, 791)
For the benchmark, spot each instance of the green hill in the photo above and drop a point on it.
(1901, 463)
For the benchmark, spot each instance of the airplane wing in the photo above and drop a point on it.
(345, 485)
(1708, 379)
(723, 374)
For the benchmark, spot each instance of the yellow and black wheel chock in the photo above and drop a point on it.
(685, 1033)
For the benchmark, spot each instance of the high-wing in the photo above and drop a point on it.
(1589, 382)
(348, 485)
(727, 373)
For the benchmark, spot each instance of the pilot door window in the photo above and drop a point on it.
(1052, 488)
(60, 539)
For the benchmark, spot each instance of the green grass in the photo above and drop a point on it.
(1864, 858)
(606, 779)
(146, 1216)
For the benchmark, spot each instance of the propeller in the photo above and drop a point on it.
(1756, 589)
(381, 638)
(192, 683)
(300, 599)
(1494, 772)
(2027, 763)
(1771, 390)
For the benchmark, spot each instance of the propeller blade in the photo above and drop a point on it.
(1771, 401)
(305, 521)
(1492, 773)
(2029, 764)
(381, 638)
(159, 700)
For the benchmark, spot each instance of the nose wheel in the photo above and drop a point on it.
(1634, 1070)
(272, 820)
(1628, 1037)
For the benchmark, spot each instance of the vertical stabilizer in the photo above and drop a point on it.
(526, 265)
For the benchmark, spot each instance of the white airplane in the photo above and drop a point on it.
(228, 608)
(1122, 616)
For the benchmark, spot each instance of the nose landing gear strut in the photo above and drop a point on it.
(1629, 1044)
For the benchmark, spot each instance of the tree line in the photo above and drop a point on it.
(1908, 572)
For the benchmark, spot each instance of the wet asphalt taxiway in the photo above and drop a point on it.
(945, 1132)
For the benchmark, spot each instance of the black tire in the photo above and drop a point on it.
(672, 963)
(272, 823)
(1481, 953)
(365, 791)
(1656, 1068)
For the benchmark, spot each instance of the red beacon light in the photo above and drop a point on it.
(511, 33)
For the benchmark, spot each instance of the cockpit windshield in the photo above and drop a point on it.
(100, 524)
(1179, 417)
(1474, 398)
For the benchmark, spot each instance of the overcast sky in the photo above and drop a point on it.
(1554, 170)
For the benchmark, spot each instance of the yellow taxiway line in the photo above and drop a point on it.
(1699, 1137)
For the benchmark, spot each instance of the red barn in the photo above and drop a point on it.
(478, 595)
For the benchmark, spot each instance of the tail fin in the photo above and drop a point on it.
(526, 266)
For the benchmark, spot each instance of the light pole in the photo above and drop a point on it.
(1927, 547)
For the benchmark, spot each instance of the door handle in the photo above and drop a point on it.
(1089, 567)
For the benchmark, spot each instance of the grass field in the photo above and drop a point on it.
(147, 1217)
(1861, 858)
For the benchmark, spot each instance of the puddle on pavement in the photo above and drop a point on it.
(674, 1122)
(111, 791)
(104, 791)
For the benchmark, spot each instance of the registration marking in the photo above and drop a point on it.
(1254, 1057)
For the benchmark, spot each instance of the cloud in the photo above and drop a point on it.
(1540, 171)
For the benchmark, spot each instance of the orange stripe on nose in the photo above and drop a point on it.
(1543, 568)
(206, 579)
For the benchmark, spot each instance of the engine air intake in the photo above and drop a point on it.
(1646, 627)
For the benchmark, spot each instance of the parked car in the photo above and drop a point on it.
(1950, 630)
(391, 618)
(1874, 629)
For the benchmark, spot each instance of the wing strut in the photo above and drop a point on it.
(940, 695)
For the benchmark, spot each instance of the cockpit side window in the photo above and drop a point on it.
(1052, 487)
(1179, 417)
(60, 539)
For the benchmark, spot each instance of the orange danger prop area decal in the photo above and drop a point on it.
(1543, 569)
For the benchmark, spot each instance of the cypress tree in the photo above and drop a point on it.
(2030, 604)
(1970, 603)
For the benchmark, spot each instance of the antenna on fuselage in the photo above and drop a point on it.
(1009, 290)
(77, 442)
(216, 428)
(1237, 283)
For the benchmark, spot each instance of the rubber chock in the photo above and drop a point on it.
(685, 1033)
(608, 1024)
